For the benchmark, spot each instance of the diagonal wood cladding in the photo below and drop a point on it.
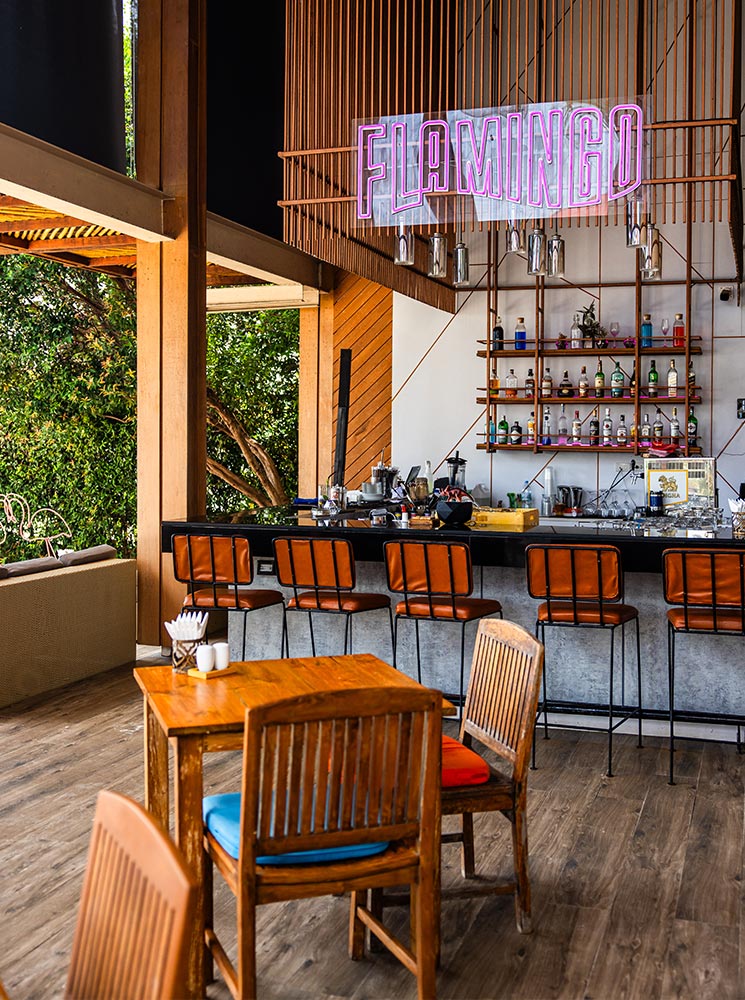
(363, 322)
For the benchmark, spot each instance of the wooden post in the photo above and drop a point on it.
(315, 407)
(171, 308)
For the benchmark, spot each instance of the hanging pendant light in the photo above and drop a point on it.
(438, 256)
(637, 222)
(515, 236)
(537, 252)
(650, 254)
(460, 265)
(555, 256)
(404, 254)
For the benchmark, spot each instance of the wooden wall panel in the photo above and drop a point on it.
(363, 322)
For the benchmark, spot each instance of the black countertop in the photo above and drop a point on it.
(641, 547)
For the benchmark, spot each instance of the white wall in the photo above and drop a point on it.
(437, 376)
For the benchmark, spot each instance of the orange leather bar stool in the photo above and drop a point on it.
(321, 573)
(436, 579)
(708, 585)
(581, 586)
(218, 570)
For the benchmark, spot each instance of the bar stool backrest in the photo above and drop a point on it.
(575, 573)
(429, 569)
(706, 578)
(219, 561)
(315, 563)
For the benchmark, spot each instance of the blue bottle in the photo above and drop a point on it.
(521, 336)
(646, 331)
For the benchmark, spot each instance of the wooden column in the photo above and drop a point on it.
(171, 309)
(315, 402)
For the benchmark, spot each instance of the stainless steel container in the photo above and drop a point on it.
(460, 265)
(438, 256)
(515, 237)
(404, 253)
(555, 256)
(537, 252)
(637, 220)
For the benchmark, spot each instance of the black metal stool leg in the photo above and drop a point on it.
(346, 633)
(462, 663)
(312, 637)
(639, 679)
(671, 690)
(418, 658)
(545, 696)
(610, 706)
(245, 616)
(393, 639)
(285, 644)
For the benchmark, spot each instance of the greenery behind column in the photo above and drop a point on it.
(68, 435)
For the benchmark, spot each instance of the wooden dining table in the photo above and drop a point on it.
(199, 716)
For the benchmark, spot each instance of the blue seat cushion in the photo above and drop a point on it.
(222, 817)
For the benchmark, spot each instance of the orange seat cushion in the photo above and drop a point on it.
(728, 620)
(248, 600)
(466, 608)
(326, 600)
(461, 766)
(587, 613)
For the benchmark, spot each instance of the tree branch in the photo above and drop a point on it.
(237, 482)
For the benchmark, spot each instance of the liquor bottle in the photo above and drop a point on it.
(672, 380)
(521, 335)
(530, 435)
(646, 331)
(632, 382)
(516, 434)
(622, 436)
(632, 431)
(692, 429)
(607, 428)
(529, 384)
(526, 495)
(653, 380)
(594, 428)
(616, 382)
(679, 331)
(674, 427)
(691, 378)
(547, 383)
(562, 426)
(599, 380)
(510, 384)
(566, 389)
(494, 384)
(575, 334)
(503, 431)
(658, 427)
(645, 432)
(492, 431)
(576, 429)
(497, 336)
(546, 433)
(583, 385)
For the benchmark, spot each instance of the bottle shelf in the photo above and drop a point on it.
(591, 400)
(582, 448)
(597, 352)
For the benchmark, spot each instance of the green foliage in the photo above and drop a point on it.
(252, 365)
(67, 397)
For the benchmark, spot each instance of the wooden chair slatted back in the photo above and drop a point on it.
(325, 564)
(348, 767)
(573, 574)
(430, 570)
(136, 911)
(503, 689)
(710, 579)
(219, 562)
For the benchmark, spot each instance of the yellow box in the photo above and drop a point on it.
(506, 520)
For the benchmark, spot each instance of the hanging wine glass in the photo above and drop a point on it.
(664, 328)
(614, 329)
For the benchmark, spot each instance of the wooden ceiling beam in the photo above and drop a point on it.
(40, 222)
(81, 243)
(45, 175)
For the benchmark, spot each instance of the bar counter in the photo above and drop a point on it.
(709, 675)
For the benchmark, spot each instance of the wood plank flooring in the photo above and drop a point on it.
(637, 885)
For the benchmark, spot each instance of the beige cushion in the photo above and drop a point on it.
(28, 566)
(94, 554)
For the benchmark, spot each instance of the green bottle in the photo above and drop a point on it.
(654, 378)
(616, 382)
(503, 431)
(692, 429)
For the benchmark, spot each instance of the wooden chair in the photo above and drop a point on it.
(582, 587)
(708, 587)
(321, 573)
(339, 794)
(218, 570)
(137, 910)
(436, 579)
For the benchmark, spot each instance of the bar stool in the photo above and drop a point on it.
(436, 579)
(322, 575)
(708, 585)
(582, 587)
(218, 570)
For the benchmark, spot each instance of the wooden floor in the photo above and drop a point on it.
(637, 885)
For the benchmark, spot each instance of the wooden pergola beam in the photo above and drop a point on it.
(36, 171)
(80, 243)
